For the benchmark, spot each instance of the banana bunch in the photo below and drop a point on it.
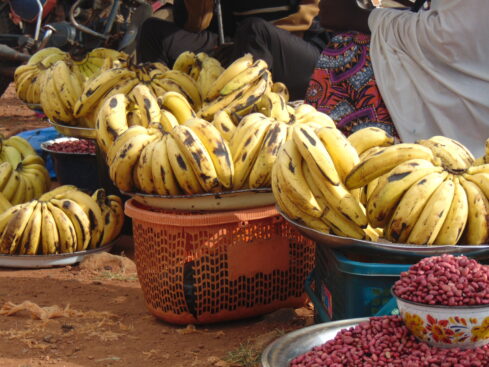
(485, 158)
(23, 175)
(64, 220)
(308, 181)
(28, 77)
(425, 193)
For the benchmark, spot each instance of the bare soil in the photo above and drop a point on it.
(81, 316)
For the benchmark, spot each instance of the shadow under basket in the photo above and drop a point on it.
(198, 268)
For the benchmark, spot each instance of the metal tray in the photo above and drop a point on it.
(283, 350)
(230, 200)
(339, 242)
(75, 131)
(46, 261)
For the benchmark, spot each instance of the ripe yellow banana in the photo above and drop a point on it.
(12, 234)
(211, 69)
(281, 88)
(249, 96)
(21, 144)
(49, 232)
(122, 139)
(369, 137)
(247, 76)
(217, 148)
(237, 67)
(477, 229)
(274, 105)
(178, 105)
(260, 174)
(188, 84)
(224, 124)
(10, 187)
(11, 155)
(164, 180)
(67, 92)
(143, 169)
(181, 167)
(313, 150)
(147, 103)
(433, 216)
(341, 151)
(4, 203)
(185, 61)
(383, 161)
(392, 186)
(111, 120)
(168, 121)
(40, 55)
(31, 238)
(481, 180)
(20, 191)
(454, 156)
(66, 229)
(197, 155)
(117, 214)
(79, 219)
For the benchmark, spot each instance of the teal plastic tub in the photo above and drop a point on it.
(342, 288)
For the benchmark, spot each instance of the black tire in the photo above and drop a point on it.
(6, 27)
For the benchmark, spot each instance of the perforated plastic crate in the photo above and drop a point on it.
(212, 267)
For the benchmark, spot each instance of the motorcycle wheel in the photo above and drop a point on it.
(6, 27)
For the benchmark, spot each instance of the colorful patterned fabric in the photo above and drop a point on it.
(343, 85)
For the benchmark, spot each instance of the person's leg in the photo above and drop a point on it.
(290, 58)
(160, 40)
(344, 87)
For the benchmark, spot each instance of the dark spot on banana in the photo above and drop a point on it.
(189, 139)
(273, 134)
(291, 167)
(224, 127)
(91, 91)
(247, 142)
(107, 218)
(113, 102)
(163, 173)
(147, 103)
(197, 157)
(112, 132)
(93, 220)
(243, 157)
(422, 182)
(181, 162)
(123, 153)
(309, 137)
(398, 176)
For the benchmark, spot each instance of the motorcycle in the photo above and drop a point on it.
(75, 26)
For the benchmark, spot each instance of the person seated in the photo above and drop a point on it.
(286, 34)
(415, 74)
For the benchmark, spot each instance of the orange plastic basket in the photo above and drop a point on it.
(197, 268)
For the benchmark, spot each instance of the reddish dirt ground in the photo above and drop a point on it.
(106, 323)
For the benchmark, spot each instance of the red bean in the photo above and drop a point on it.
(80, 146)
(385, 341)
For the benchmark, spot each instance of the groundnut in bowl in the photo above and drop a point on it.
(444, 301)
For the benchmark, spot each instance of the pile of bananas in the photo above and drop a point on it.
(64, 220)
(23, 176)
(308, 181)
(425, 193)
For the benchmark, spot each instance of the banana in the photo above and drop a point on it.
(289, 166)
(483, 168)
(12, 234)
(92, 211)
(4, 203)
(197, 155)
(66, 229)
(185, 61)
(5, 173)
(245, 147)
(117, 216)
(392, 186)
(178, 105)
(49, 232)
(38, 176)
(313, 150)
(224, 124)
(342, 152)
(29, 160)
(124, 87)
(181, 167)
(237, 67)
(433, 216)
(11, 155)
(247, 76)
(281, 88)
(29, 193)
(211, 69)
(51, 59)
(383, 161)
(52, 105)
(210, 108)
(454, 156)
(111, 120)
(477, 229)
(164, 180)
(339, 198)
(98, 87)
(260, 174)
(168, 120)
(188, 84)
(411, 205)
(481, 180)
(369, 137)
(147, 104)
(456, 219)
(11, 186)
(79, 219)
(143, 169)
(7, 215)
(217, 148)
(21, 144)
(67, 92)
(57, 191)
(20, 191)
(121, 168)
(31, 238)
(108, 215)
(249, 96)
(274, 105)
(122, 139)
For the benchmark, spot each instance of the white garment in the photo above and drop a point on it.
(432, 70)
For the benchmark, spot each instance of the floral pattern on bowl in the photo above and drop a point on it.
(446, 326)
